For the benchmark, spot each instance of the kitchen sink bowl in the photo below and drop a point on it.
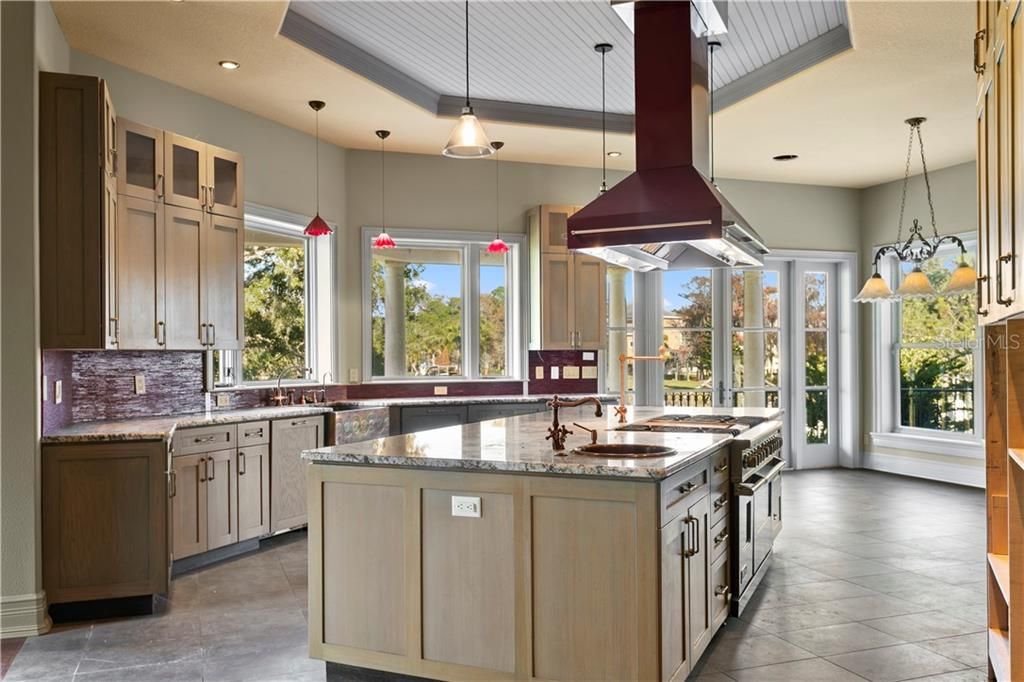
(624, 450)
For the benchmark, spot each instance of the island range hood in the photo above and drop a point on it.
(667, 215)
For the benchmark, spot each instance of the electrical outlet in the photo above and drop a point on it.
(46, 389)
(466, 506)
(440, 390)
(223, 400)
(554, 372)
(571, 372)
(589, 355)
(353, 375)
(140, 384)
(590, 372)
(538, 372)
(58, 392)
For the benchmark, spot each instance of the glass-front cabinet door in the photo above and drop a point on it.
(185, 171)
(225, 178)
(141, 163)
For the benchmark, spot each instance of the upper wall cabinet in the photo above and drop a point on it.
(999, 63)
(77, 212)
(140, 229)
(567, 289)
(203, 177)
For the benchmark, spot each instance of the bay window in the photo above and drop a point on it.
(440, 306)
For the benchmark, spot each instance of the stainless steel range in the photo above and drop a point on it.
(755, 467)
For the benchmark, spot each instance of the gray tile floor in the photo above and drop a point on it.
(876, 577)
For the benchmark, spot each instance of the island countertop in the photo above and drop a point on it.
(517, 444)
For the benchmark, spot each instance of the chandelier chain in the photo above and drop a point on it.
(906, 181)
(927, 182)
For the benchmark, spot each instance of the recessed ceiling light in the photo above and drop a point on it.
(785, 157)
(229, 65)
(614, 154)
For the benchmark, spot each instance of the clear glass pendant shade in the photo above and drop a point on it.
(875, 289)
(468, 139)
(963, 280)
(916, 285)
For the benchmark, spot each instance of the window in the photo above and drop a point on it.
(280, 280)
(441, 306)
(756, 357)
(687, 328)
(619, 294)
(816, 345)
(936, 354)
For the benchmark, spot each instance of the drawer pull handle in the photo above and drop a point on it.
(723, 591)
(722, 467)
(688, 487)
(721, 537)
(720, 502)
(204, 439)
(255, 433)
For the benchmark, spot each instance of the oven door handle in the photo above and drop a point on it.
(747, 490)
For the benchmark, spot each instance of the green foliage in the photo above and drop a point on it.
(275, 310)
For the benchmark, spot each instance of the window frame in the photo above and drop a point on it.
(320, 314)
(470, 244)
(889, 430)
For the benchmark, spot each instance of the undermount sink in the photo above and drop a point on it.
(624, 450)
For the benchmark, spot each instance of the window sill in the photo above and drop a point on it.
(437, 380)
(934, 445)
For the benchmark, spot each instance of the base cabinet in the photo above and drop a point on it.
(104, 518)
(204, 502)
(253, 491)
(288, 438)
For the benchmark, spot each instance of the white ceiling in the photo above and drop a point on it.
(843, 116)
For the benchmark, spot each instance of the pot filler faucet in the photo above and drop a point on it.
(620, 409)
(557, 432)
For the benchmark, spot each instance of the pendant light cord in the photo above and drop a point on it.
(497, 195)
(467, 53)
(383, 224)
(711, 77)
(604, 128)
(316, 163)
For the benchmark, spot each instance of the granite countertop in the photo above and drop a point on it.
(439, 400)
(162, 428)
(517, 444)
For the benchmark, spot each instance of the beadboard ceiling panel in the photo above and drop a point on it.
(541, 52)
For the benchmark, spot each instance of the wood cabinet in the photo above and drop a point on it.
(139, 275)
(104, 520)
(999, 62)
(204, 502)
(203, 177)
(568, 300)
(223, 288)
(253, 491)
(288, 438)
(77, 213)
(141, 167)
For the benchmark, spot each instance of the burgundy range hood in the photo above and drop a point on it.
(668, 215)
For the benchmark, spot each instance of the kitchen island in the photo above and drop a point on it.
(476, 552)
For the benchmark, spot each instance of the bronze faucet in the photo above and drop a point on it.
(557, 432)
(620, 409)
(278, 397)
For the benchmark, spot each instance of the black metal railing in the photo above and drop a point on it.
(945, 409)
(694, 398)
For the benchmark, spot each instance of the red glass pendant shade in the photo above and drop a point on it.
(383, 241)
(317, 227)
(498, 246)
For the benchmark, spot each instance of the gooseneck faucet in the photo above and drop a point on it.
(279, 398)
(557, 432)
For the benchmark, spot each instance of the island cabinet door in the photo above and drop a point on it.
(253, 491)
(674, 661)
(698, 578)
(288, 438)
(221, 499)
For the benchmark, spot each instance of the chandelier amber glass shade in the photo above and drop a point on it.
(875, 289)
(916, 285)
(963, 280)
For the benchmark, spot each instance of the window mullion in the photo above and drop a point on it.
(471, 312)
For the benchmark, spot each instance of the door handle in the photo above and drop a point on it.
(173, 483)
(683, 539)
(202, 469)
(241, 463)
(202, 334)
(161, 334)
(160, 186)
(213, 334)
(979, 66)
(696, 534)
(204, 196)
(211, 473)
(1000, 299)
(211, 199)
(983, 312)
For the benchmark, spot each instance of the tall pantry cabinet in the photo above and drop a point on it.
(999, 63)
(143, 250)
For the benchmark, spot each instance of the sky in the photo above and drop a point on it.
(446, 280)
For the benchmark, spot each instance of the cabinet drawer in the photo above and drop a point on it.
(721, 591)
(204, 439)
(719, 506)
(719, 538)
(687, 484)
(253, 433)
(719, 463)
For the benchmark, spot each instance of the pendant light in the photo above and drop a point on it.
(712, 44)
(468, 139)
(917, 247)
(317, 227)
(603, 49)
(382, 240)
(497, 246)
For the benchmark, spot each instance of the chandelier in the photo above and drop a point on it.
(917, 247)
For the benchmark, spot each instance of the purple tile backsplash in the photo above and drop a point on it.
(560, 358)
(103, 385)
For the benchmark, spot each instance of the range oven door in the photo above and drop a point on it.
(757, 494)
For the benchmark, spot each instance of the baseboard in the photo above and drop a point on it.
(933, 470)
(24, 615)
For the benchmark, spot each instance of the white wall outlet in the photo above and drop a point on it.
(58, 392)
(140, 384)
(223, 400)
(571, 372)
(466, 506)
(46, 389)
(589, 371)
(440, 390)
(554, 372)
(538, 372)
(353, 375)
(589, 355)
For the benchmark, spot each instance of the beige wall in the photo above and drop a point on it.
(954, 194)
(31, 42)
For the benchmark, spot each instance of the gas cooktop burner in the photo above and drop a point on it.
(695, 423)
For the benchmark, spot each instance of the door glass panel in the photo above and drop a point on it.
(687, 329)
(140, 158)
(755, 299)
(186, 172)
(755, 337)
(816, 358)
(816, 299)
(225, 182)
(755, 359)
(817, 416)
(493, 318)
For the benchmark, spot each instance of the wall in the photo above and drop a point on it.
(434, 192)
(31, 41)
(954, 194)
